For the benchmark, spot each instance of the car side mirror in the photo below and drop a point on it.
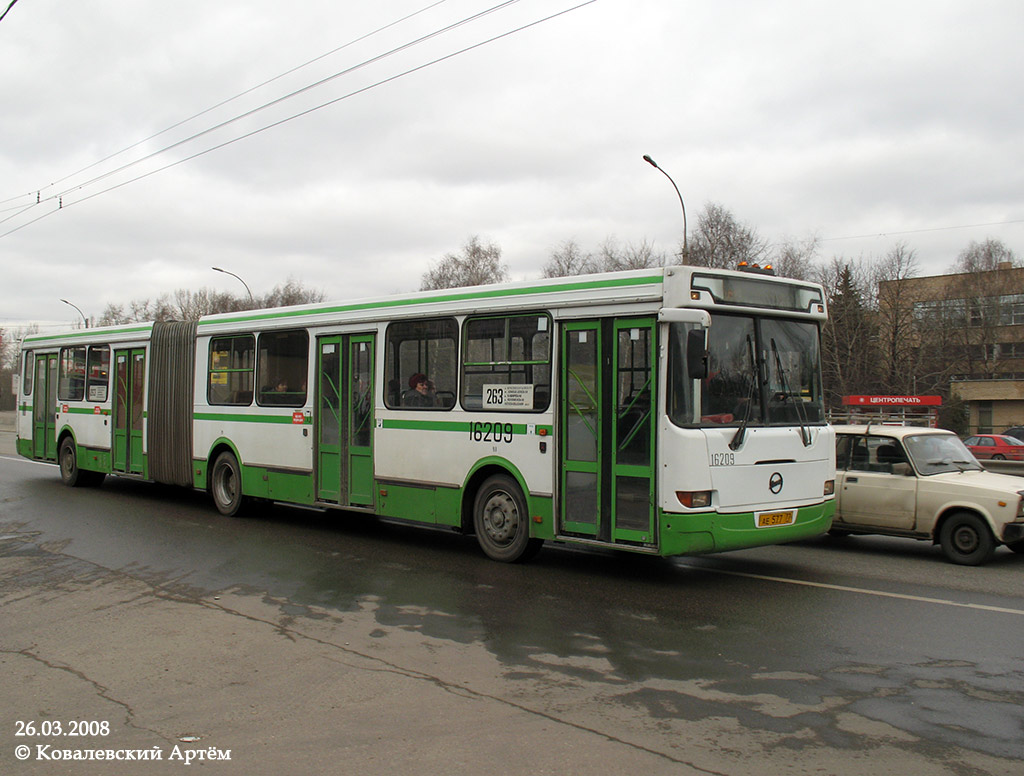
(696, 354)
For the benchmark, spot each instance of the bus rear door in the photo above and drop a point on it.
(344, 420)
(44, 408)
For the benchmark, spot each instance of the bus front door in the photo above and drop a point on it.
(607, 430)
(129, 410)
(44, 408)
(344, 420)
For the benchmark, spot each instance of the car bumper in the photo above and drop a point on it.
(1013, 532)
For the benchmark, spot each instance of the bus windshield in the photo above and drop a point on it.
(761, 371)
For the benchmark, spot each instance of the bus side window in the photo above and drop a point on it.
(28, 370)
(230, 376)
(507, 350)
(282, 368)
(421, 349)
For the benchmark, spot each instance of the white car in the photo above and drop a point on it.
(923, 483)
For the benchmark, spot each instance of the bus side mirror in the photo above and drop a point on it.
(696, 354)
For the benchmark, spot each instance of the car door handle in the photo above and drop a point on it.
(851, 479)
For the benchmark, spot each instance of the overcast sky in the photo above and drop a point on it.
(861, 123)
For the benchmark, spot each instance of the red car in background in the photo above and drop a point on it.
(996, 447)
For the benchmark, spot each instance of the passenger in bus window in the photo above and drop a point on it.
(276, 392)
(421, 393)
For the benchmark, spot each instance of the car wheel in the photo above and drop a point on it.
(966, 539)
(998, 457)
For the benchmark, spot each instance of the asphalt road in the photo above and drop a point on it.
(305, 642)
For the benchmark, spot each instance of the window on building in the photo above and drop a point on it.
(507, 363)
(283, 362)
(421, 364)
(984, 417)
(232, 360)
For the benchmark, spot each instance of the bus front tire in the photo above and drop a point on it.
(502, 522)
(966, 539)
(226, 485)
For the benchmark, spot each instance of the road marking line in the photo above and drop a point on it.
(860, 590)
(26, 460)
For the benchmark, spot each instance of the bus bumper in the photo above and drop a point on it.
(693, 534)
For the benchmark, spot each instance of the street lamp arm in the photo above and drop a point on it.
(84, 319)
(682, 204)
(218, 269)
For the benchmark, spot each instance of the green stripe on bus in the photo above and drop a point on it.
(84, 411)
(458, 426)
(97, 334)
(240, 418)
(455, 297)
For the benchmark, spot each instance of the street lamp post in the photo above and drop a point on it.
(86, 320)
(218, 269)
(654, 164)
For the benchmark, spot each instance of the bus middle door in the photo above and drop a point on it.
(607, 429)
(129, 410)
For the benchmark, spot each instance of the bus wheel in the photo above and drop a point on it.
(226, 485)
(70, 474)
(966, 539)
(501, 521)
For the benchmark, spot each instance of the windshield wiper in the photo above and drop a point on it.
(805, 432)
(741, 432)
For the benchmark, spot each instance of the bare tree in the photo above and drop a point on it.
(188, 305)
(986, 256)
(719, 240)
(477, 265)
(896, 324)
(796, 259)
(291, 293)
(978, 292)
(569, 259)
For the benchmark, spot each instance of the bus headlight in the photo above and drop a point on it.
(830, 487)
(694, 499)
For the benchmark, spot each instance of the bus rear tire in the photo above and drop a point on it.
(226, 485)
(70, 474)
(502, 522)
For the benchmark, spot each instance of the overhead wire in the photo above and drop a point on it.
(59, 196)
(308, 111)
(37, 192)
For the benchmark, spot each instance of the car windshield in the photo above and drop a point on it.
(938, 453)
(1011, 441)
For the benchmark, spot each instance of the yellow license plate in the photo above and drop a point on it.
(768, 519)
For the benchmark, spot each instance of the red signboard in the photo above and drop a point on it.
(892, 401)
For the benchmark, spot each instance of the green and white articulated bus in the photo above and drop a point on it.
(668, 411)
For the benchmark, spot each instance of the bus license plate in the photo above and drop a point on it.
(768, 519)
